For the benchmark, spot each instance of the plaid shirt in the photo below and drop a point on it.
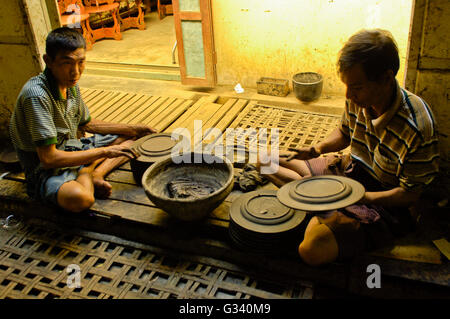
(399, 148)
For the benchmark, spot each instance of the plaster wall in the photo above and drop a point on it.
(257, 38)
(21, 49)
(37, 12)
(432, 64)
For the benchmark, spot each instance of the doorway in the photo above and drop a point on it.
(154, 46)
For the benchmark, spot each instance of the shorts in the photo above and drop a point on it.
(52, 180)
(359, 228)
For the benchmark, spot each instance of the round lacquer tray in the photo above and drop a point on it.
(321, 193)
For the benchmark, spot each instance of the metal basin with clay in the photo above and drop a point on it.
(189, 190)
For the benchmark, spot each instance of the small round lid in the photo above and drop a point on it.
(319, 193)
(154, 147)
(261, 211)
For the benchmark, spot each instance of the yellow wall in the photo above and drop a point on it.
(20, 47)
(256, 38)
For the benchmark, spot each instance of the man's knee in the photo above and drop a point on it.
(80, 201)
(76, 199)
(319, 246)
(308, 253)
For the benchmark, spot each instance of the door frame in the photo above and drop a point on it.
(210, 60)
(415, 59)
(414, 43)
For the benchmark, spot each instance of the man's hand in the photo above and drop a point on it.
(395, 197)
(302, 153)
(365, 200)
(118, 150)
(141, 130)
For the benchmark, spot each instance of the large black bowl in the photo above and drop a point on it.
(210, 169)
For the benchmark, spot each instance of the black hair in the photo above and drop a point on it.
(375, 50)
(62, 40)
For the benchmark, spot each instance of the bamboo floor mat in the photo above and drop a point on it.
(34, 264)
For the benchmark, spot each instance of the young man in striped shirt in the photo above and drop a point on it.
(61, 168)
(394, 154)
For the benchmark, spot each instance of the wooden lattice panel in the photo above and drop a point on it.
(296, 128)
(34, 260)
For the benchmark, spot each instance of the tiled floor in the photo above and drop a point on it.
(152, 46)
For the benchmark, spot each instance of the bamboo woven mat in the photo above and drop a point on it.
(34, 262)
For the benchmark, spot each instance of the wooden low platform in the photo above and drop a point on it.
(129, 214)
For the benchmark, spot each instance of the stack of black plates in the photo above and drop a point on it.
(260, 223)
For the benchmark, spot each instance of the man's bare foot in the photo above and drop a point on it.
(102, 189)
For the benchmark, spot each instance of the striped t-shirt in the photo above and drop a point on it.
(43, 117)
(400, 147)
